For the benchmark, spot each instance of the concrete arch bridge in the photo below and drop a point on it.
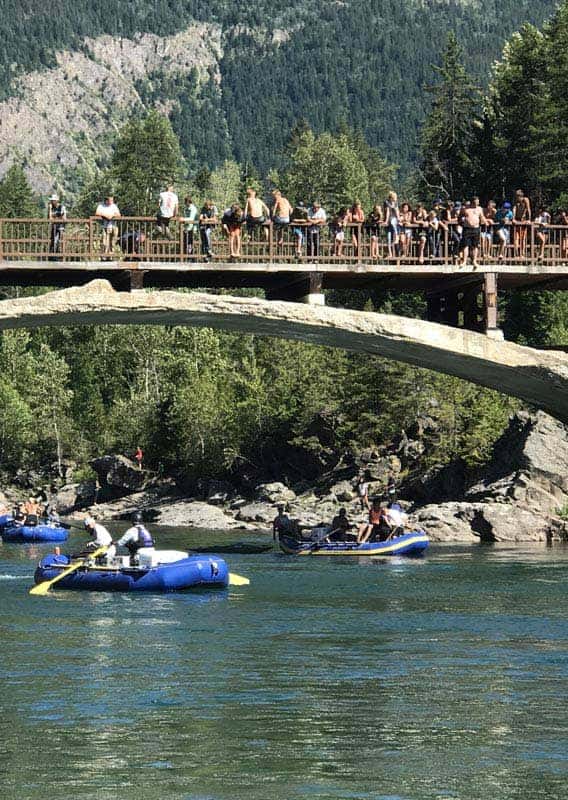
(535, 376)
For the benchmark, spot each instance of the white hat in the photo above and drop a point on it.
(89, 522)
(54, 197)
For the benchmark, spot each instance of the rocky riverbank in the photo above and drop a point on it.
(516, 497)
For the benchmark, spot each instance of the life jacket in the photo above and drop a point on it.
(144, 537)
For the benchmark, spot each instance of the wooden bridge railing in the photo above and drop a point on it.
(140, 239)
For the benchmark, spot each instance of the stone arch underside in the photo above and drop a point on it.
(537, 377)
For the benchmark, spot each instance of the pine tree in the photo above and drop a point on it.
(16, 195)
(146, 158)
(449, 129)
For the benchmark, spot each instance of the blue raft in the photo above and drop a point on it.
(5, 519)
(409, 544)
(34, 533)
(186, 573)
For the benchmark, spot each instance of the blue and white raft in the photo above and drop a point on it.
(50, 532)
(408, 544)
(157, 571)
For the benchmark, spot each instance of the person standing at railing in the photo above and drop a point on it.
(487, 230)
(109, 213)
(421, 221)
(189, 220)
(392, 219)
(299, 220)
(503, 222)
(472, 219)
(57, 215)
(207, 218)
(373, 225)
(337, 231)
(232, 221)
(356, 217)
(542, 223)
(317, 219)
(168, 208)
(521, 221)
(562, 219)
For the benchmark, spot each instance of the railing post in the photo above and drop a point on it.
(359, 244)
(91, 239)
(182, 254)
(533, 259)
(271, 243)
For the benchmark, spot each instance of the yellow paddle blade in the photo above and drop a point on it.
(44, 587)
(41, 588)
(237, 580)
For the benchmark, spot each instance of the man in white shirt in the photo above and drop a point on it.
(396, 518)
(167, 210)
(100, 537)
(317, 219)
(108, 213)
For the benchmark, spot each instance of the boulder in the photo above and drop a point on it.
(118, 476)
(343, 492)
(256, 512)
(193, 514)
(218, 492)
(66, 497)
(488, 522)
(274, 493)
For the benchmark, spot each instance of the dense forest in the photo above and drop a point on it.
(366, 62)
(210, 404)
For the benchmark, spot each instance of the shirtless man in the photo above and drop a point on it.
(256, 213)
(281, 212)
(521, 221)
(472, 218)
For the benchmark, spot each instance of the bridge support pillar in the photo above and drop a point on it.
(128, 280)
(469, 302)
(300, 289)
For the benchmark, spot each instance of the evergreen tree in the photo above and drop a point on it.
(146, 158)
(449, 129)
(517, 101)
(17, 198)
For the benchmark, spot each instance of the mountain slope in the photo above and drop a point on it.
(234, 79)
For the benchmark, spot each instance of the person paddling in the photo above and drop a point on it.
(100, 537)
(136, 538)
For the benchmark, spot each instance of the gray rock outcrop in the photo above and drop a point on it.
(117, 476)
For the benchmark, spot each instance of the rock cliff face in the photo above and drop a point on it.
(60, 118)
(522, 490)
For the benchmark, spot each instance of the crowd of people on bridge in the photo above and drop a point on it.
(456, 230)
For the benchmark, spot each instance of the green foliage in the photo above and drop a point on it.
(146, 157)
(17, 198)
(449, 130)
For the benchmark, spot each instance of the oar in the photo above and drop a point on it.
(44, 587)
(237, 580)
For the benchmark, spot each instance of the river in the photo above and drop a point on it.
(444, 677)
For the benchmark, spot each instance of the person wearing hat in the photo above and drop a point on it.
(57, 216)
(100, 537)
(503, 222)
(317, 219)
(136, 537)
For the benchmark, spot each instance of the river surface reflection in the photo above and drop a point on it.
(444, 677)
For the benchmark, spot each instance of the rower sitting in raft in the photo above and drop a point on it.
(136, 538)
(383, 522)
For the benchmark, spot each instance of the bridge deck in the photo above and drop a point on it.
(398, 276)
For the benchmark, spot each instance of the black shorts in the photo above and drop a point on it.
(165, 221)
(470, 237)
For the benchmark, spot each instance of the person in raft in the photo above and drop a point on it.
(136, 538)
(374, 529)
(283, 524)
(340, 526)
(100, 537)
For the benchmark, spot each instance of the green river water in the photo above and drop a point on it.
(444, 677)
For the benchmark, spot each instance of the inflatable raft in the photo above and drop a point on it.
(157, 571)
(5, 519)
(34, 533)
(409, 544)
